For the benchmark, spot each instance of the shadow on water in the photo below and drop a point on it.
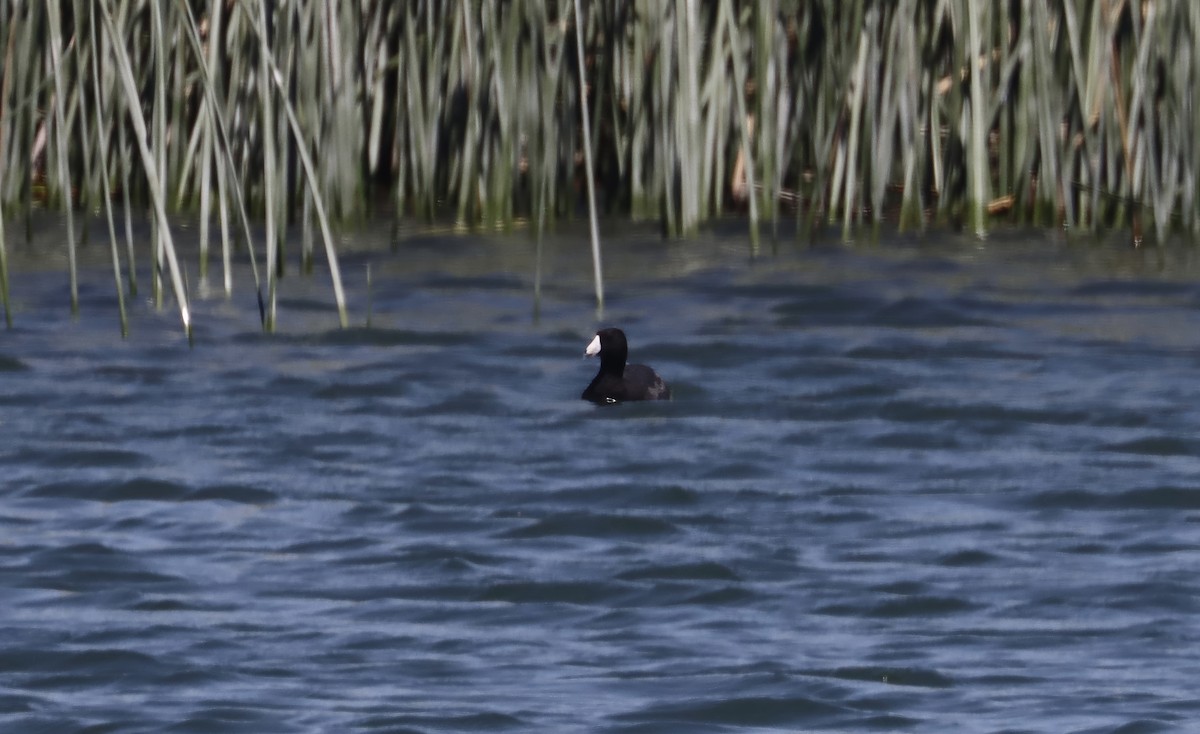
(907, 486)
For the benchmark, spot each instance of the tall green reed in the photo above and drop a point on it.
(1077, 113)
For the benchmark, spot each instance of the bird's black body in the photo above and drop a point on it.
(618, 382)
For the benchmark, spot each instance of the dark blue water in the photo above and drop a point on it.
(901, 488)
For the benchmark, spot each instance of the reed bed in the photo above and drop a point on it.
(265, 116)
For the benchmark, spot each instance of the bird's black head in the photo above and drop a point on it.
(612, 348)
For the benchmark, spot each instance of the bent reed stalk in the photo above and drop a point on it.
(1075, 113)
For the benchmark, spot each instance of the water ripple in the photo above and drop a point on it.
(900, 488)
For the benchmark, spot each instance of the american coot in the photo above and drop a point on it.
(616, 381)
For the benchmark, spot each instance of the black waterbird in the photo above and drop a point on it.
(617, 382)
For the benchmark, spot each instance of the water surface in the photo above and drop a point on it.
(902, 487)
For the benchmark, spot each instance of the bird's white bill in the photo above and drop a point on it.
(594, 347)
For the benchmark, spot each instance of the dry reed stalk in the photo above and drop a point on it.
(157, 193)
(597, 270)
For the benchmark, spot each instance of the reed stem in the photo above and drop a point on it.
(102, 145)
(60, 139)
(597, 272)
(157, 194)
